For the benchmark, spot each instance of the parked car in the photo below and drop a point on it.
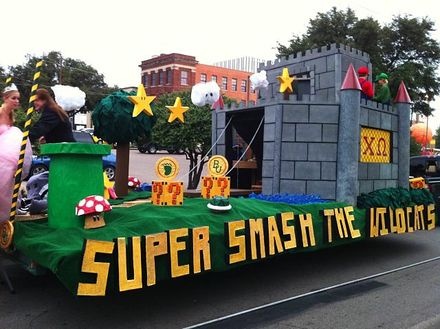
(96, 139)
(428, 167)
(152, 148)
(41, 163)
(424, 166)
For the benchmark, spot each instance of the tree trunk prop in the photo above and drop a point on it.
(122, 165)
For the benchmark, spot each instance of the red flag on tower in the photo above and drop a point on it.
(219, 104)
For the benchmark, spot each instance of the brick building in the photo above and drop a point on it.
(177, 72)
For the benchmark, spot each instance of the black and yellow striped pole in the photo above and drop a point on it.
(27, 125)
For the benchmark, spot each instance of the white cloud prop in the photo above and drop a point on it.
(68, 97)
(205, 93)
(259, 80)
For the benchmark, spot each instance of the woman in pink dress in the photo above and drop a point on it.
(10, 141)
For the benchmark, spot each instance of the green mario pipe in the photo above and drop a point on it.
(75, 173)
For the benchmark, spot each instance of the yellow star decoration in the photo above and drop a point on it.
(141, 102)
(285, 81)
(177, 111)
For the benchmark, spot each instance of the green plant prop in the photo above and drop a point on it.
(394, 198)
(114, 122)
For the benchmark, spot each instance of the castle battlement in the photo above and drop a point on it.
(315, 53)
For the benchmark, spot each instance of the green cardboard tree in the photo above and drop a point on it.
(114, 122)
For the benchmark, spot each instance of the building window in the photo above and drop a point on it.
(154, 79)
(225, 83)
(145, 80)
(183, 77)
(234, 84)
(214, 78)
(161, 78)
(169, 77)
(202, 77)
(243, 85)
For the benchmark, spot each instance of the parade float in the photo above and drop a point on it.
(333, 169)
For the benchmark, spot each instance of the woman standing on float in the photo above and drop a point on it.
(54, 125)
(10, 142)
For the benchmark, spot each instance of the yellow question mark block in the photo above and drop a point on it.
(165, 191)
(217, 184)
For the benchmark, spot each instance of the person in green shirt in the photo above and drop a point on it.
(383, 94)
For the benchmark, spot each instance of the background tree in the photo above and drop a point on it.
(59, 70)
(193, 136)
(3, 77)
(114, 123)
(334, 26)
(414, 147)
(404, 48)
(437, 138)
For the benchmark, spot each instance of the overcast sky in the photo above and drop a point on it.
(115, 36)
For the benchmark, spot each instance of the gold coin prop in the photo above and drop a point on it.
(167, 168)
(6, 234)
(218, 165)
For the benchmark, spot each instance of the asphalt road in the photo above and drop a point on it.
(407, 299)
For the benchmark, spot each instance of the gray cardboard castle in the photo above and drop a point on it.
(324, 139)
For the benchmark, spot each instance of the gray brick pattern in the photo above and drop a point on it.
(301, 136)
(373, 176)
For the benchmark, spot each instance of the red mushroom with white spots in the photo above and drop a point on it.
(93, 208)
(133, 182)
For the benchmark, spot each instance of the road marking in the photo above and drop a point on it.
(314, 292)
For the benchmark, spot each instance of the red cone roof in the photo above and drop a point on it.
(218, 104)
(351, 80)
(402, 95)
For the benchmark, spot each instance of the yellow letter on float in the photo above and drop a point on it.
(409, 216)
(328, 214)
(89, 265)
(431, 217)
(236, 241)
(340, 222)
(201, 249)
(175, 247)
(307, 231)
(256, 231)
(274, 239)
(155, 245)
(288, 230)
(380, 215)
(124, 282)
(400, 220)
(354, 233)
(421, 211)
(374, 224)
(393, 224)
